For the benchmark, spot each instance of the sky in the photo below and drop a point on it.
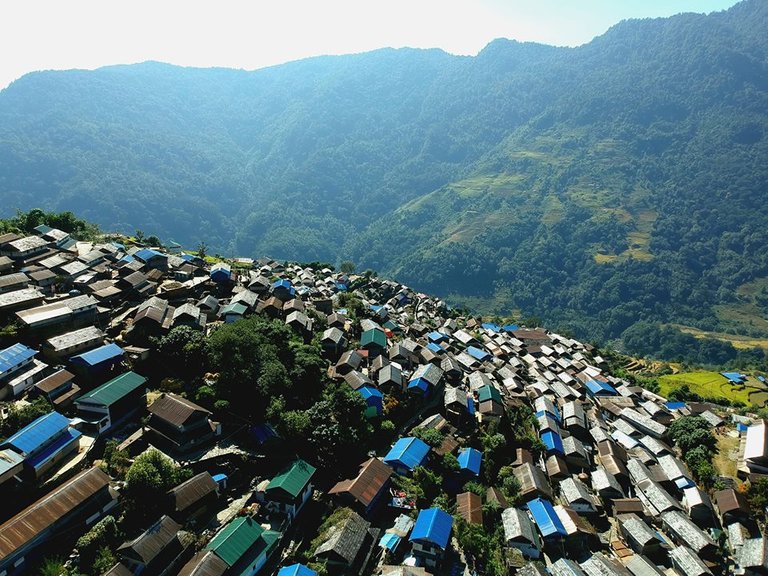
(251, 34)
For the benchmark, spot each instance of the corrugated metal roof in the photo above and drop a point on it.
(546, 518)
(191, 491)
(293, 478)
(174, 409)
(14, 355)
(37, 433)
(470, 459)
(32, 521)
(98, 355)
(234, 540)
(470, 507)
(409, 451)
(553, 442)
(296, 570)
(114, 390)
(153, 541)
(373, 475)
(433, 525)
(204, 563)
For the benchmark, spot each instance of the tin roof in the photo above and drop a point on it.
(408, 451)
(293, 478)
(114, 390)
(37, 433)
(433, 525)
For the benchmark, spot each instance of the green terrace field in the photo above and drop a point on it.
(714, 385)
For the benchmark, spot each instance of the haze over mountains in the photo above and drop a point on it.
(610, 188)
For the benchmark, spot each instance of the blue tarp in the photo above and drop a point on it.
(263, 433)
(434, 526)
(147, 254)
(510, 327)
(546, 518)
(600, 388)
(553, 442)
(742, 427)
(388, 541)
(37, 433)
(735, 377)
(107, 353)
(14, 355)
(408, 452)
(469, 459)
(675, 405)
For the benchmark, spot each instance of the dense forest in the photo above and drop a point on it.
(615, 189)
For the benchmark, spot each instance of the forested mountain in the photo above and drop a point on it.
(608, 188)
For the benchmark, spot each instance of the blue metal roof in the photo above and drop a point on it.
(146, 254)
(481, 355)
(510, 327)
(282, 283)
(370, 392)
(436, 348)
(419, 383)
(596, 387)
(433, 525)
(98, 355)
(15, 355)
(735, 377)
(553, 442)
(51, 451)
(742, 427)
(38, 432)
(296, 570)
(436, 336)
(127, 258)
(491, 326)
(469, 459)
(546, 518)
(409, 451)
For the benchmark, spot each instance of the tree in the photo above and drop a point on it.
(139, 235)
(115, 461)
(150, 476)
(689, 432)
(347, 267)
(757, 496)
(182, 352)
(105, 534)
(202, 250)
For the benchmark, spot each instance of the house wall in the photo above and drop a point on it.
(528, 550)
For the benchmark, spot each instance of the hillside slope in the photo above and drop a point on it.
(597, 187)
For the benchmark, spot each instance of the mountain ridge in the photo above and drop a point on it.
(530, 175)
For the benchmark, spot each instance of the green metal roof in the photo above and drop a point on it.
(293, 478)
(374, 337)
(489, 393)
(235, 539)
(114, 390)
(264, 547)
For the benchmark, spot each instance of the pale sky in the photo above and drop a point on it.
(250, 34)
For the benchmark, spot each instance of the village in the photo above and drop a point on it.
(497, 434)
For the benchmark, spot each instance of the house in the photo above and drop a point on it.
(753, 556)
(153, 259)
(157, 549)
(425, 378)
(367, 488)
(113, 401)
(59, 388)
(283, 290)
(179, 424)
(349, 361)
(343, 546)
(232, 312)
(357, 380)
(599, 388)
(14, 358)
(431, 535)
(490, 404)
(459, 406)
(390, 378)
(333, 341)
(687, 563)
(12, 282)
(732, 507)
(296, 570)
(638, 535)
(243, 545)
(601, 565)
(73, 342)
(374, 400)
(373, 340)
(189, 315)
(24, 248)
(680, 527)
(43, 444)
(533, 483)
(43, 279)
(469, 506)
(547, 521)
(221, 273)
(406, 454)
(699, 507)
(97, 362)
(23, 379)
(193, 497)
(72, 507)
(290, 489)
(577, 496)
(469, 461)
(580, 534)
(519, 533)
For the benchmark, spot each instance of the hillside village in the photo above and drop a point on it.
(494, 448)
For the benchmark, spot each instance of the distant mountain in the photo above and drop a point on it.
(609, 188)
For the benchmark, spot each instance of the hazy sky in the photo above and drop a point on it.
(63, 34)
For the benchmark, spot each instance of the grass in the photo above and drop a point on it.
(739, 342)
(553, 210)
(714, 385)
(480, 185)
(727, 457)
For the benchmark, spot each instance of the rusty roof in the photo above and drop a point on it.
(35, 519)
(470, 507)
(204, 563)
(190, 492)
(729, 500)
(368, 483)
(150, 543)
(174, 409)
(52, 382)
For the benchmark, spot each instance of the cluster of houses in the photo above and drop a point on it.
(605, 494)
